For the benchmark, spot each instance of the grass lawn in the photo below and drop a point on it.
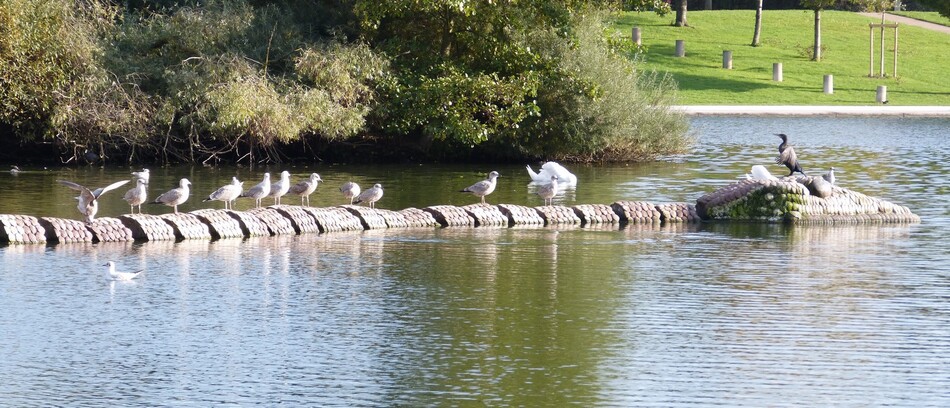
(787, 36)
(929, 16)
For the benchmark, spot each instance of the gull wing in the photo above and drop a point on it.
(113, 186)
(84, 194)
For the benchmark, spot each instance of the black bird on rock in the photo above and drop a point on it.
(786, 156)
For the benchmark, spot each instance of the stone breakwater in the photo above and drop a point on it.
(785, 200)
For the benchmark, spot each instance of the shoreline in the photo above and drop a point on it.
(814, 110)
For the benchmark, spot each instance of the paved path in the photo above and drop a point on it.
(891, 18)
(801, 110)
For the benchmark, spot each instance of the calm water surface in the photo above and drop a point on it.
(712, 314)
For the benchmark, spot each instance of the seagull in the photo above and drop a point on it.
(830, 176)
(350, 190)
(136, 196)
(175, 196)
(14, 170)
(141, 175)
(89, 200)
(759, 172)
(280, 188)
(552, 169)
(786, 156)
(259, 191)
(120, 276)
(370, 196)
(227, 193)
(306, 187)
(484, 187)
(548, 191)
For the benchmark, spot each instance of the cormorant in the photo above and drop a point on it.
(786, 156)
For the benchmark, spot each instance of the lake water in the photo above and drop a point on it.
(731, 314)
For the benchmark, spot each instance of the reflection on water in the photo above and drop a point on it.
(684, 314)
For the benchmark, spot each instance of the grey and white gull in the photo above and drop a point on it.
(259, 191)
(176, 196)
(112, 274)
(830, 176)
(227, 193)
(484, 187)
(306, 187)
(548, 191)
(136, 196)
(350, 190)
(89, 199)
(281, 187)
(141, 175)
(543, 176)
(370, 196)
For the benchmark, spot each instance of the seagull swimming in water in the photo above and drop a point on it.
(548, 191)
(370, 196)
(552, 169)
(136, 196)
(305, 188)
(227, 193)
(786, 156)
(176, 196)
(89, 199)
(484, 187)
(120, 276)
(259, 191)
(280, 188)
(350, 190)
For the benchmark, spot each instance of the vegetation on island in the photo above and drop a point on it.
(250, 81)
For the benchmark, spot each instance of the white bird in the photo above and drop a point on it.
(120, 276)
(759, 172)
(830, 176)
(14, 170)
(176, 196)
(136, 196)
(548, 191)
(227, 193)
(89, 199)
(552, 169)
(280, 188)
(484, 187)
(259, 191)
(306, 187)
(370, 196)
(350, 190)
(141, 175)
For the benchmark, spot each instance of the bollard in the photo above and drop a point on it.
(636, 36)
(829, 84)
(727, 59)
(680, 48)
(881, 94)
(777, 71)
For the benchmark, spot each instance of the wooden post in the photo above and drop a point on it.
(881, 94)
(871, 53)
(777, 71)
(727, 59)
(883, 74)
(895, 49)
(680, 48)
(636, 36)
(829, 86)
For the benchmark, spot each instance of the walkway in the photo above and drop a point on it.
(891, 18)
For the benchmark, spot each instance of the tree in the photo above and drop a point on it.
(758, 25)
(817, 6)
(681, 14)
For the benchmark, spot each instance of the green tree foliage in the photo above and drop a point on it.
(940, 6)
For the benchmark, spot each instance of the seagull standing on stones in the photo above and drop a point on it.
(281, 187)
(370, 196)
(484, 187)
(548, 191)
(227, 193)
(141, 175)
(786, 156)
(830, 176)
(176, 196)
(259, 191)
(543, 176)
(89, 199)
(120, 276)
(350, 190)
(136, 196)
(306, 187)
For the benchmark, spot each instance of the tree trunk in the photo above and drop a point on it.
(758, 25)
(817, 53)
(681, 14)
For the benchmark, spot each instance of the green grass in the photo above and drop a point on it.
(786, 35)
(929, 16)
